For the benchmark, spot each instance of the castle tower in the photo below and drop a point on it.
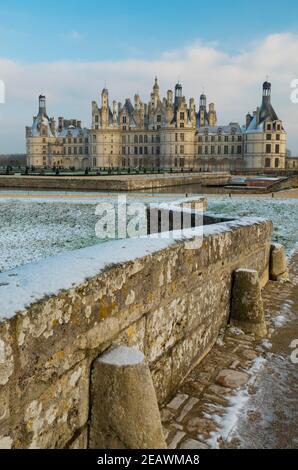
(178, 95)
(203, 110)
(265, 144)
(155, 95)
(105, 108)
(42, 105)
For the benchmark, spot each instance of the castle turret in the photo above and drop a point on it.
(42, 105)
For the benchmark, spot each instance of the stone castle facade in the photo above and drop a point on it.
(164, 133)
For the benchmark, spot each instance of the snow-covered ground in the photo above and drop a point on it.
(37, 225)
(34, 228)
(282, 212)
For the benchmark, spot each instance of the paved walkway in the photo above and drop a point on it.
(204, 412)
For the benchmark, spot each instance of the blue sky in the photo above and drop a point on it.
(70, 49)
(35, 31)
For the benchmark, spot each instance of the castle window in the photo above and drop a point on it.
(212, 150)
(145, 139)
(135, 139)
(232, 150)
(152, 150)
(74, 140)
(239, 149)
(141, 150)
(94, 137)
(146, 150)
(182, 137)
(200, 150)
(182, 116)
(136, 150)
(277, 148)
(213, 138)
(124, 119)
(233, 138)
(158, 150)
(206, 150)
(268, 127)
(200, 138)
(206, 138)
(69, 150)
(182, 149)
(239, 138)
(44, 140)
(226, 149)
(86, 140)
(123, 139)
(157, 139)
(69, 140)
(140, 139)
(277, 137)
(176, 137)
(268, 136)
(267, 163)
(268, 148)
(158, 118)
(75, 150)
(152, 139)
(86, 150)
(226, 138)
(96, 117)
(182, 125)
(278, 127)
(276, 163)
(80, 140)
(81, 150)
(219, 138)
(123, 150)
(219, 150)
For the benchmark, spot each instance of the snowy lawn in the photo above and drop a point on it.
(34, 229)
(282, 212)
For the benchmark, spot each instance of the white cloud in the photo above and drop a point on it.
(233, 82)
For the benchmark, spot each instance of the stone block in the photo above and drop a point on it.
(247, 311)
(278, 263)
(124, 410)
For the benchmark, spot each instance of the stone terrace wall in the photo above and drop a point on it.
(112, 183)
(170, 304)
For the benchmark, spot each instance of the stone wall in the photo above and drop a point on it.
(112, 183)
(171, 304)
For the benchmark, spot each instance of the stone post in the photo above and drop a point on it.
(247, 310)
(278, 263)
(124, 409)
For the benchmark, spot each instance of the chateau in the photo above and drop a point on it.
(164, 133)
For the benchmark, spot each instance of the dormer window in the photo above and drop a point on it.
(268, 127)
